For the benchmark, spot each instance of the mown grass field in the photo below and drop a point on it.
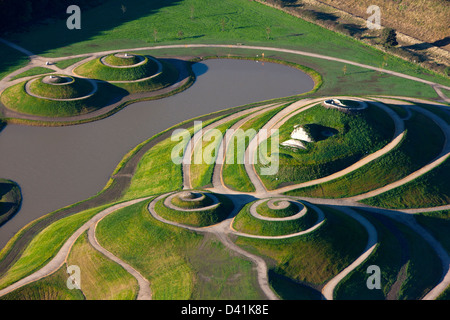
(52, 287)
(357, 136)
(68, 62)
(197, 267)
(423, 142)
(101, 278)
(107, 27)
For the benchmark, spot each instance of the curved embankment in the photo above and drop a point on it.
(372, 241)
(61, 257)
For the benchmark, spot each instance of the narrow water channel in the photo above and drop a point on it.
(56, 167)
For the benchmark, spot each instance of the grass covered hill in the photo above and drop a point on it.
(357, 136)
(117, 68)
(61, 87)
(17, 98)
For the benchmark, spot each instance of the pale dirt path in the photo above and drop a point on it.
(90, 94)
(61, 257)
(320, 220)
(372, 242)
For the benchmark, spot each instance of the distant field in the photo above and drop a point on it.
(107, 27)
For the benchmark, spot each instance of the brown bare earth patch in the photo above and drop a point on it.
(427, 20)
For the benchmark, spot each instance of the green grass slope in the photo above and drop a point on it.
(358, 135)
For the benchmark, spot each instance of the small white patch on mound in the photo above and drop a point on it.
(293, 144)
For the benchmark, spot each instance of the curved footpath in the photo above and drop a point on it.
(399, 133)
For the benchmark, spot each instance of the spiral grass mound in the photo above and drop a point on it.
(60, 87)
(194, 208)
(120, 67)
(58, 96)
(278, 208)
(123, 59)
(275, 217)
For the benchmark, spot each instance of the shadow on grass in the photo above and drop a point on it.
(289, 289)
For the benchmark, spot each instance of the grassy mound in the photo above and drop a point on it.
(122, 60)
(316, 257)
(192, 203)
(61, 87)
(200, 218)
(357, 136)
(245, 222)
(52, 287)
(264, 210)
(17, 99)
(95, 69)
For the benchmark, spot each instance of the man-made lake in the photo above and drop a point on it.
(59, 166)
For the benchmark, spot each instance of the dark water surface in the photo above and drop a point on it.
(56, 167)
